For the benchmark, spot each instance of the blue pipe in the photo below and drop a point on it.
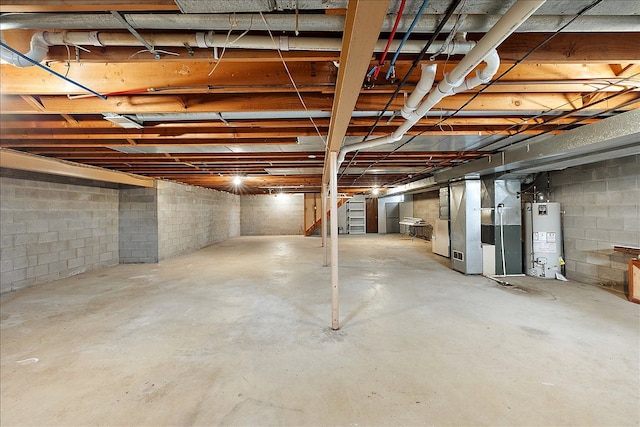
(406, 36)
(55, 73)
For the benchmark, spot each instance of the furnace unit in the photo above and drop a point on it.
(464, 210)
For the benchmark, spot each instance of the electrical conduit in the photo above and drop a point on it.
(376, 69)
(404, 39)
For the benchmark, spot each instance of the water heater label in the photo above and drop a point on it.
(544, 241)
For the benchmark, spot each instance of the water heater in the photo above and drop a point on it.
(543, 239)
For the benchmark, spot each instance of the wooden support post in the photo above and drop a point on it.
(333, 191)
(324, 225)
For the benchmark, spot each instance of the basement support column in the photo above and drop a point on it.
(324, 224)
(333, 191)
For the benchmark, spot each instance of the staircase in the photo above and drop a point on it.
(309, 231)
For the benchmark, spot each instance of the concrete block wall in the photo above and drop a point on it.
(427, 206)
(138, 225)
(190, 218)
(52, 230)
(602, 208)
(270, 215)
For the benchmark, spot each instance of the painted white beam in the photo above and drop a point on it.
(362, 28)
(333, 191)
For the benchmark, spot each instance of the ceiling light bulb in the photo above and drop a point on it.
(375, 191)
(237, 180)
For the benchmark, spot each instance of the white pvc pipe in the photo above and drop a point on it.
(510, 21)
(502, 251)
(484, 50)
(423, 86)
(41, 41)
(482, 76)
(39, 50)
(441, 91)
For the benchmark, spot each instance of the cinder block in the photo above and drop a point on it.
(574, 233)
(622, 184)
(584, 222)
(622, 237)
(92, 260)
(12, 228)
(7, 241)
(632, 224)
(609, 198)
(77, 243)
(611, 274)
(48, 258)
(106, 257)
(57, 267)
(75, 262)
(609, 223)
(600, 235)
(51, 236)
(40, 270)
(587, 269)
(14, 275)
(67, 254)
(21, 262)
(6, 264)
(627, 211)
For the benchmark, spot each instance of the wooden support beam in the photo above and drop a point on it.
(362, 28)
(34, 102)
(16, 160)
(512, 102)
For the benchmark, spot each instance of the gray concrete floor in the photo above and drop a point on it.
(237, 334)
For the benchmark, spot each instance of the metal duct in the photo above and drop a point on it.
(614, 136)
(306, 22)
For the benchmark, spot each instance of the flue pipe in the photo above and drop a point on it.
(454, 81)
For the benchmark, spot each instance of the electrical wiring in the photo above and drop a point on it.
(232, 25)
(376, 69)
(405, 38)
(516, 63)
(541, 44)
(49, 70)
(568, 113)
(295, 86)
(561, 127)
(519, 124)
(479, 145)
(449, 12)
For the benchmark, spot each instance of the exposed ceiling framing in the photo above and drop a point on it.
(204, 115)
